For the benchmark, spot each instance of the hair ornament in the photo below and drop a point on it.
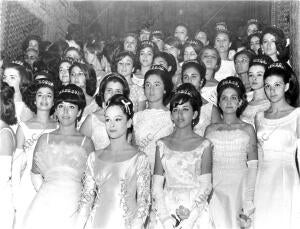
(67, 59)
(113, 74)
(156, 32)
(147, 43)
(17, 62)
(71, 91)
(193, 42)
(252, 21)
(126, 105)
(79, 61)
(276, 65)
(260, 60)
(45, 81)
(190, 61)
(186, 92)
(229, 82)
(159, 67)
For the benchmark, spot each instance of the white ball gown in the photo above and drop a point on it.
(277, 193)
(122, 192)
(182, 186)
(229, 176)
(62, 166)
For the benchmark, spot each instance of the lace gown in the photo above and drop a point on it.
(122, 192)
(24, 192)
(226, 69)
(182, 170)
(229, 176)
(277, 193)
(149, 126)
(62, 166)
(6, 202)
(251, 110)
(204, 120)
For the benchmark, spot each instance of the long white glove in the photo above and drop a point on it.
(5, 165)
(248, 206)
(159, 203)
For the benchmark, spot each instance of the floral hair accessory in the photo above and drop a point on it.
(276, 65)
(159, 67)
(126, 105)
(71, 91)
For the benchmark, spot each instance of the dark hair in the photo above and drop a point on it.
(73, 29)
(58, 48)
(90, 77)
(225, 31)
(30, 93)
(187, 93)
(183, 25)
(236, 84)
(119, 57)
(256, 34)
(73, 49)
(8, 112)
(195, 44)
(29, 38)
(262, 60)
(111, 50)
(166, 79)
(217, 53)
(204, 30)
(198, 65)
(25, 74)
(173, 41)
(112, 77)
(71, 94)
(157, 33)
(280, 41)
(170, 59)
(284, 71)
(123, 102)
(246, 52)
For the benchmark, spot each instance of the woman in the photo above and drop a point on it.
(63, 70)
(273, 44)
(193, 72)
(253, 42)
(116, 191)
(72, 53)
(277, 190)
(234, 159)
(191, 49)
(155, 122)
(84, 77)
(145, 53)
(212, 61)
(182, 161)
(130, 43)
(58, 165)
(16, 76)
(124, 64)
(94, 125)
(8, 146)
(39, 97)
(259, 101)
(222, 42)
(203, 36)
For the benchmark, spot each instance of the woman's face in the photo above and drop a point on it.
(67, 113)
(154, 88)
(34, 44)
(44, 99)
(116, 122)
(112, 88)
(210, 58)
(181, 33)
(125, 66)
(183, 115)
(256, 76)
(130, 44)
(159, 43)
(89, 56)
(252, 28)
(78, 77)
(268, 44)
(229, 101)
(189, 53)
(222, 42)
(172, 50)
(202, 36)
(31, 56)
(192, 76)
(255, 44)
(241, 64)
(12, 77)
(73, 54)
(146, 57)
(63, 73)
(160, 61)
(275, 88)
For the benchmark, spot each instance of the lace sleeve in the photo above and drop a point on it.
(143, 191)
(88, 192)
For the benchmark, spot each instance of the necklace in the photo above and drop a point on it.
(265, 136)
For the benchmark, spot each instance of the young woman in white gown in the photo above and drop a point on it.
(8, 146)
(193, 71)
(234, 159)
(116, 191)
(155, 122)
(58, 165)
(277, 193)
(259, 102)
(94, 125)
(183, 161)
(39, 97)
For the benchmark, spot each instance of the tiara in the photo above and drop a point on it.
(260, 60)
(190, 61)
(146, 42)
(276, 65)
(80, 61)
(68, 59)
(159, 67)
(186, 92)
(230, 82)
(44, 81)
(113, 74)
(218, 30)
(157, 32)
(222, 23)
(17, 62)
(252, 21)
(193, 42)
(71, 91)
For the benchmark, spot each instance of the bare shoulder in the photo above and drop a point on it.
(248, 128)
(212, 127)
